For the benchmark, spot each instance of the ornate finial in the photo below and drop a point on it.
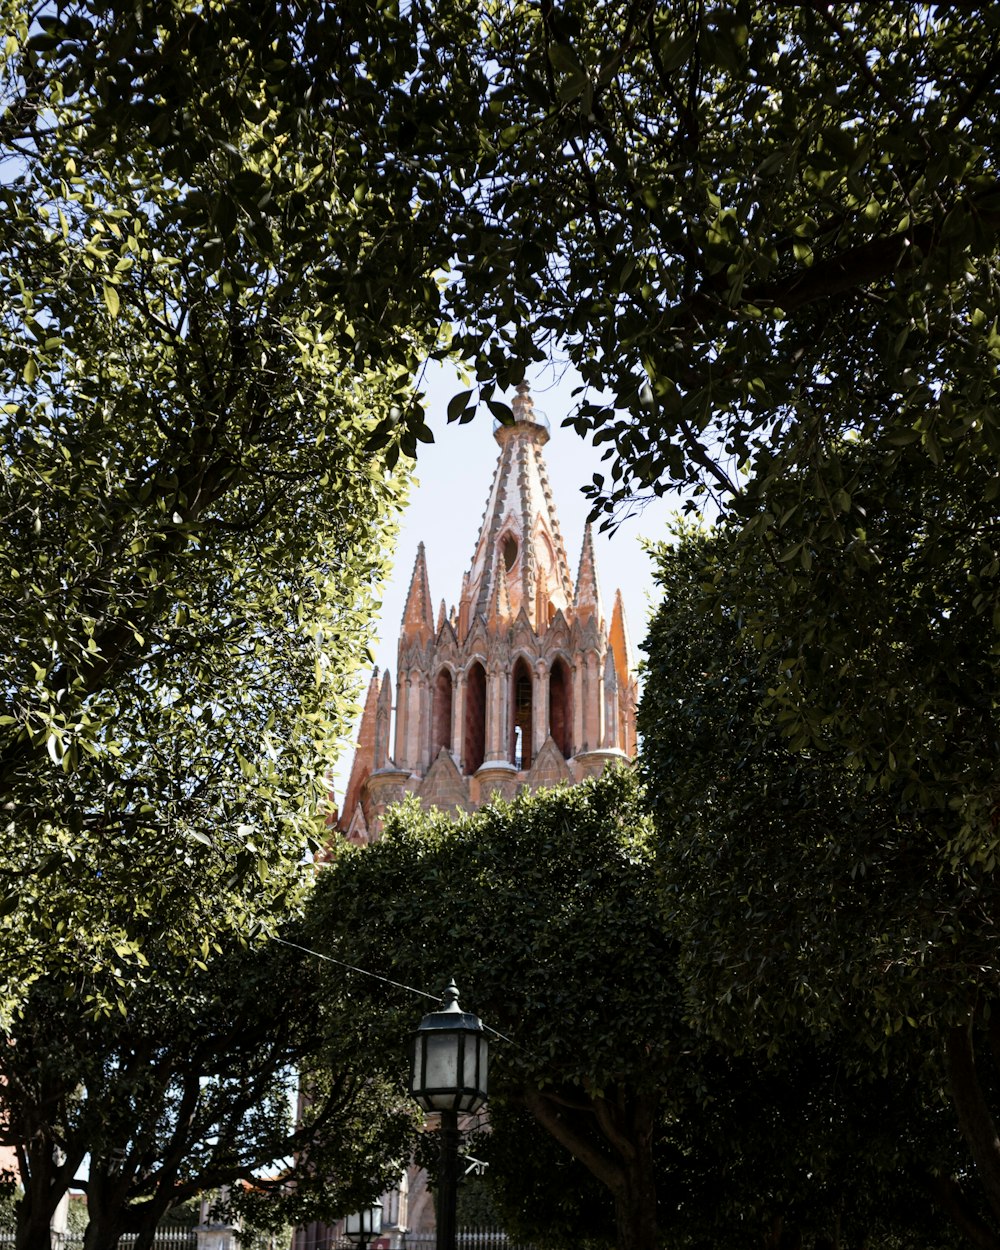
(528, 420)
(523, 405)
(450, 996)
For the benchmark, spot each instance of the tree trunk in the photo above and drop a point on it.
(33, 1232)
(46, 1176)
(588, 1128)
(103, 1234)
(974, 1118)
(635, 1204)
(145, 1232)
(948, 1197)
(107, 1211)
(635, 1208)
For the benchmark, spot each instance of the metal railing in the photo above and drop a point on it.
(164, 1239)
(474, 1238)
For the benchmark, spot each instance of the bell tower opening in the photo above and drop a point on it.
(509, 549)
(522, 698)
(441, 713)
(474, 744)
(560, 708)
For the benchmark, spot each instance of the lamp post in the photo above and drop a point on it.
(449, 1058)
(362, 1226)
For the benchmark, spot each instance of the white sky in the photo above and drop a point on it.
(446, 510)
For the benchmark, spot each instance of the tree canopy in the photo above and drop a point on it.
(766, 236)
(195, 1089)
(610, 1117)
(200, 334)
(805, 896)
(528, 965)
(761, 235)
(750, 226)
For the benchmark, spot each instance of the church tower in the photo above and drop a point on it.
(526, 683)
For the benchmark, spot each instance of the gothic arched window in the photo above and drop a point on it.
(561, 707)
(441, 713)
(474, 738)
(522, 692)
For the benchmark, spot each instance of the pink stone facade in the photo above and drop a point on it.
(525, 683)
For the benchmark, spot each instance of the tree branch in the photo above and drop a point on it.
(851, 268)
(555, 1122)
(610, 1120)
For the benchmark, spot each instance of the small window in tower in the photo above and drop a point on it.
(474, 739)
(521, 721)
(509, 552)
(561, 707)
(441, 712)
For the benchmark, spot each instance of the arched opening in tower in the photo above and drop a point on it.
(522, 692)
(441, 713)
(560, 707)
(474, 743)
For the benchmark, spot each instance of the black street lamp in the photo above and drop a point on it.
(361, 1226)
(449, 1058)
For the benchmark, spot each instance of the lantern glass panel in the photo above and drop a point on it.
(441, 1062)
(483, 1067)
(360, 1225)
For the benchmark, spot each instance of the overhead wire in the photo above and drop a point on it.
(375, 976)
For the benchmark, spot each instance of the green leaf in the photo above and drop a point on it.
(457, 405)
(503, 413)
(563, 57)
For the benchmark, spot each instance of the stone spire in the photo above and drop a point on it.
(587, 603)
(364, 756)
(524, 407)
(500, 604)
(520, 541)
(621, 644)
(383, 716)
(418, 615)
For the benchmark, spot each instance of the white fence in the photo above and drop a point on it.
(186, 1239)
(165, 1239)
(469, 1239)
